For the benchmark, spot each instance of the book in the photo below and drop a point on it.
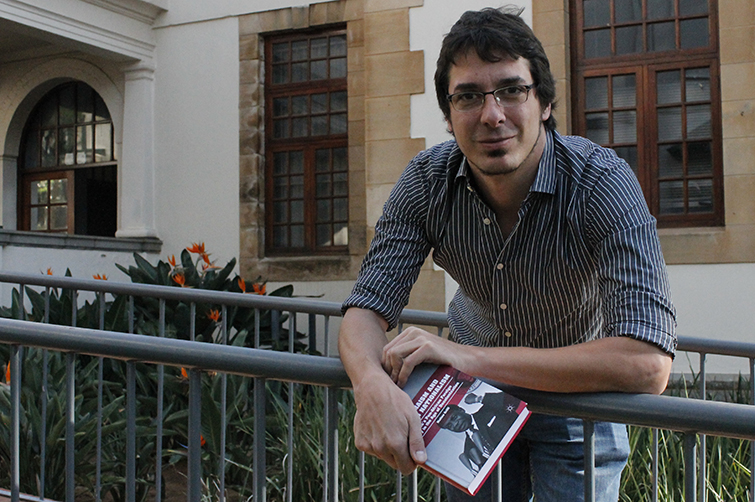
(467, 424)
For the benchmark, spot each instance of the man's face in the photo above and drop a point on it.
(494, 139)
(458, 421)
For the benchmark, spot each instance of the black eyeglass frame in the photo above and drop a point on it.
(527, 88)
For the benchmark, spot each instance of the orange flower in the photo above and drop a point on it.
(213, 315)
(184, 373)
(49, 270)
(242, 285)
(259, 289)
(197, 248)
(7, 374)
(206, 258)
(172, 260)
(180, 280)
(99, 277)
(201, 440)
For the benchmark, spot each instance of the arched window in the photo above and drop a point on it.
(67, 165)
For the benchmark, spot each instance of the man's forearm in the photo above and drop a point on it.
(360, 342)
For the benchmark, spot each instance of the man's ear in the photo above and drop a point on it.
(546, 113)
(449, 127)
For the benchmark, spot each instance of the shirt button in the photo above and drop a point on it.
(508, 334)
(504, 306)
(499, 266)
(486, 221)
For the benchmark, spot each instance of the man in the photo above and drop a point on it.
(562, 284)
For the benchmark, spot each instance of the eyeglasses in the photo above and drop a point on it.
(470, 101)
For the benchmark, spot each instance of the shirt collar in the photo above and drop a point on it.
(545, 181)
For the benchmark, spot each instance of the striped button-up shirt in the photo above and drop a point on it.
(582, 262)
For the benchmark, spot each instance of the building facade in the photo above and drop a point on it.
(273, 131)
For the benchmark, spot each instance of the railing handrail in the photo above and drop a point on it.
(687, 415)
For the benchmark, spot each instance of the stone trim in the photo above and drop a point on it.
(67, 241)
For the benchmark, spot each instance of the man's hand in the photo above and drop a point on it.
(387, 426)
(414, 346)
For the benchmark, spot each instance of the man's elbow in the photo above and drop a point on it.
(655, 370)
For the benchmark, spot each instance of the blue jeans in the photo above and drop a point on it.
(547, 460)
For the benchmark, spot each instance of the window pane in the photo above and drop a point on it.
(280, 107)
(58, 193)
(84, 144)
(338, 68)
(67, 105)
(297, 211)
(625, 127)
(693, 7)
(100, 110)
(280, 163)
(699, 158)
(299, 72)
(38, 218)
(280, 188)
(698, 121)
(340, 159)
(694, 33)
(297, 236)
(597, 43)
(280, 73)
(700, 196)
(670, 162)
(669, 124)
(629, 154)
(280, 52)
(340, 184)
(296, 162)
(322, 160)
(324, 187)
(323, 210)
(67, 146)
(596, 93)
(338, 101)
(597, 127)
(103, 150)
(669, 87)
(624, 91)
(280, 237)
(661, 37)
(629, 40)
(319, 47)
(660, 9)
(59, 217)
(671, 197)
(39, 193)
(84, 103)
(299, 105)
(319, 70)
(319, 125)
(280, 212)
(324, 235)
(299, 50)
(31, 150)
(626, 11)
(299, 127)
(697, 84)
(49, 113)
(280, 128)
(320, 103)
(338, 45)
(340, 209)
(297, 188)
(48, 148)
(597, 12)
(341, 234)
(338, 123)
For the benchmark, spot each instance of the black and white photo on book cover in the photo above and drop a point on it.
(467, 424)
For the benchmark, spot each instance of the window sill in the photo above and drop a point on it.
(42, 240)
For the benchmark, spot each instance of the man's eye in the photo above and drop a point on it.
(512, 91)
(466, 97)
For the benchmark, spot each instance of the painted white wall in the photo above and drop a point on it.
(189, 11)
(197, 137)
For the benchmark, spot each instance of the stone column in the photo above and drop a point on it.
(136, 174)
(8, 191)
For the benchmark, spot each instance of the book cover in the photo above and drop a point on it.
(467, 424)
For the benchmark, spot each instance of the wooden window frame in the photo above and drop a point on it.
(645, 66)
(307, 144)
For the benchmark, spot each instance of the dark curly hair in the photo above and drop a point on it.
(495, 34)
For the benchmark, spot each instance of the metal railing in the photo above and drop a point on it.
(695, 418)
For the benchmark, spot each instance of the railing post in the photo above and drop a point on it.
(655, 465)
(70, 426)
(130, 431)
(411, 487)
(702, 451)
(496, 483)
(195, 436)
(588, 427)
(330, 472)
(752, 443)
(15, 432)
(690, 469)
(259, 464)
